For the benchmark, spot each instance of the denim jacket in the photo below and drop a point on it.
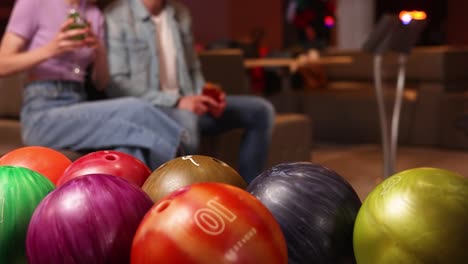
(133, 58)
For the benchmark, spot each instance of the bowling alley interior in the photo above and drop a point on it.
(367, 88)
(366, 161)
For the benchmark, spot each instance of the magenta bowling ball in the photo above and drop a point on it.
(89, 219)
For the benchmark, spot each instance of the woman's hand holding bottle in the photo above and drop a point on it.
(67, 39)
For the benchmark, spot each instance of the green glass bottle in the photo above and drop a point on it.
(78, 22)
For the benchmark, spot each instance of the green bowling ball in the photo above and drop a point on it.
(21, 190)
(417, 216)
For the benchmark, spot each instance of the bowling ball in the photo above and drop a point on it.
(315, 207)
(187, 170)
(89, 219)
(21, 190)
(209, 223)
(418, 215)
(109, 162)
(48, 162)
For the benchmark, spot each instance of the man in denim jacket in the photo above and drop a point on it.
(151, 56)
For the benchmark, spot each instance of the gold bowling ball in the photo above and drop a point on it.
(187, 170)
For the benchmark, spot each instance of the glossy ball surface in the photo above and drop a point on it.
(21, 190)
(315, 207)
(89, 219)
(186, 170)
(109, 162)
(416, 216)
(209, 223)
(48, 162)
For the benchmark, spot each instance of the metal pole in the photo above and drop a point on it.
(388, 168)
(389, 142)
(397, 107)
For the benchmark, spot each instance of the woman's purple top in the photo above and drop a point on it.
(38, 22)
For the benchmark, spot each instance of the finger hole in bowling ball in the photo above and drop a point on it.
(163, 206)
(110, 157)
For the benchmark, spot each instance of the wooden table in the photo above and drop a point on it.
(287, 66)
(292, 63)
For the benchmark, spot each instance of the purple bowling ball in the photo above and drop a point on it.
(315, 207)
(89, 219)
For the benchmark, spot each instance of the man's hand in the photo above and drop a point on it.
(212, 90)
(216, 92)
(218, 109)
(198, 104)
(212, 101)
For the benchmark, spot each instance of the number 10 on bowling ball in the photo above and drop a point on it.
(209, 223)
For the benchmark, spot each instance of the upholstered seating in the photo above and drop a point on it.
(345, 111)
(291, 137)
(10, 105)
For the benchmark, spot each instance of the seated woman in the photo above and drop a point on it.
(43, 39)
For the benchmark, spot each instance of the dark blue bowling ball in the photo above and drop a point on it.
(315, 207)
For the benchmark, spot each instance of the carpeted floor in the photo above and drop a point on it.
(361, 165)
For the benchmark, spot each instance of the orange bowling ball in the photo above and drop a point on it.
(209, 223)
(46, 161)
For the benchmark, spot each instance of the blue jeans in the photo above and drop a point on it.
(254, 114)
(55, 114)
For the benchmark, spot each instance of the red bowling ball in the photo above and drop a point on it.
(209, 223)
(109, 162)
